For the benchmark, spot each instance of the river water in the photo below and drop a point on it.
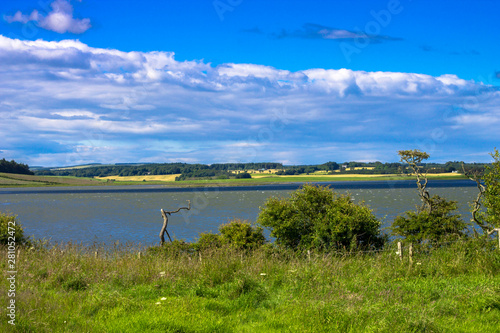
(132, 213)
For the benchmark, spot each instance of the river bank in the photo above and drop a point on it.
(15, 180)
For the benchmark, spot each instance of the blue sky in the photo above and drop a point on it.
(298, 82)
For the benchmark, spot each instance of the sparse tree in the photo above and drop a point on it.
(488, 196)
(434, 221)
(414, 159)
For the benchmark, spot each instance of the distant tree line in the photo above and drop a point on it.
(14, 167)
(187, 171)
(233, 170)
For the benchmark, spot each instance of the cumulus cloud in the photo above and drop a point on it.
(60, 19)
(83, 104)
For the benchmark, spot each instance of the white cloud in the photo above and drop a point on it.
(135, 104)
(60, 19)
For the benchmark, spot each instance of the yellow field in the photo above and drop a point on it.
(258, 175)
(323, 176)
(148, 178)
(444, 174)
(257, 172)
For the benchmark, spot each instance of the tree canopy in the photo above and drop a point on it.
(14, 167)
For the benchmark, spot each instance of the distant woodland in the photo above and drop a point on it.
(238, 170)
(14, 167)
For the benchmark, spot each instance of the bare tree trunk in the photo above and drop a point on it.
(165, 215)
(476, 205)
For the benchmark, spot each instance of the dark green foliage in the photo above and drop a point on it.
(76, 283)
(173, 249)
(492, 192)
(243, 175)
(316, 217)
(14, 167)
(437, 226)
(13, 234)
(240, 234)
(208, 241)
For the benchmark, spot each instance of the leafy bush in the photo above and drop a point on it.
(316, 217)
(241, 234)
(15, 230)
(437, 226)
(172, 249)
(243, 175)
(209, 241)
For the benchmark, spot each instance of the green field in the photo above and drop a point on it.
(15, 180)
(68, 288)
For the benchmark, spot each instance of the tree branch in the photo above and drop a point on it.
(165, 214)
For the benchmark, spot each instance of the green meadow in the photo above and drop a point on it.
(71, 288)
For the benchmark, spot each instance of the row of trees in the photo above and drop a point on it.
(188, 171)
(14, 167)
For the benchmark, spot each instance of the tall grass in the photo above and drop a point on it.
(70, 288)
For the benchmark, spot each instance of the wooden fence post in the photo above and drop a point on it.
(410, 252)
(400, 251)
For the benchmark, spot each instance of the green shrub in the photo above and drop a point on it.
(315, 217)
(437, 226)
(208, 241)
(240, 234)
(243, 175)
(11, 230)
(174, 248)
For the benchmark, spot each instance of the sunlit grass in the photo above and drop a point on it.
(73, 289)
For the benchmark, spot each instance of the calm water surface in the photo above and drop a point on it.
(132, 213)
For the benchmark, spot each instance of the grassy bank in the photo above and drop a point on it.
(72, 289)
(16, 180)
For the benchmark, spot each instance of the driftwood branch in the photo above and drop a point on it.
(165, 215)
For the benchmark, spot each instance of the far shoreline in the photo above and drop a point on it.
(28, 181)
(214, 187)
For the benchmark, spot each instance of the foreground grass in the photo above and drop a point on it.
(71, 289)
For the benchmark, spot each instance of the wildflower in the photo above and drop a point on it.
(163, 274)
(163, 299)
(158, 303)
(263, 274)
(419, 263)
